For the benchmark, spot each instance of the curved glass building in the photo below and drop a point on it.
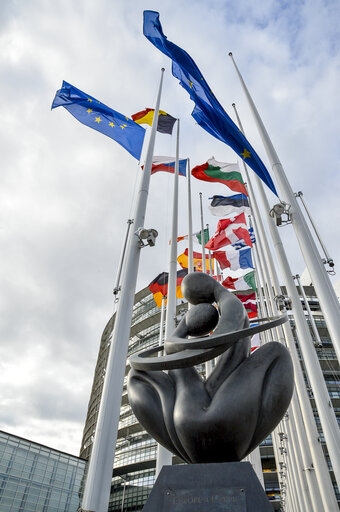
(135, 457)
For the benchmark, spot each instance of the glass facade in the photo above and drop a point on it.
(135, 456)
(35, 478)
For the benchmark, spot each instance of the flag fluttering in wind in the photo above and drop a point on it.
(165, 121)
(208, 112)
(222, 206)
(183, 260)
(249, 302)
(196, 236)
(205, 236)
(228, 232)
(255, 341)
(221, 257)
(159, 286)
(241, 243)
(239, 259)
(228, 174)
(98, 116)
(167, 164)
(245, 282)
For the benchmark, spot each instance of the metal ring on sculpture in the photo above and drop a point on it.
(193, 351)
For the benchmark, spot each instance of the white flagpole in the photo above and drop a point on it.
(208, 364)
(209, 254)
(316, 459)
(190, 249)
(98, 482)
(328, 300)
(323, 287)
(204, 266)
(164, 457)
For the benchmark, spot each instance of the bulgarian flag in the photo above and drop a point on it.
(165, 121)
(240, 283)
(228, 174)
(159, 286)
(183, 260)
(228, 232)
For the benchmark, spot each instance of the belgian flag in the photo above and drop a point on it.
(165, 121)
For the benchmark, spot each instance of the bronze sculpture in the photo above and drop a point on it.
(222, 418)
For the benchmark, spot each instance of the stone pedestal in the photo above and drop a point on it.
(222, 487)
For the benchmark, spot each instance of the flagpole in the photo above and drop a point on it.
(328, 300)
(98, 481)
(329, 260)
(164, 457)
(209, 254)
(208, 364)
(117, 287)
(323, 287)
(316, 460)
(204, 266)
(190, 249)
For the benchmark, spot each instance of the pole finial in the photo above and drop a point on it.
(230, 54)
(233, 105)
(163, 69)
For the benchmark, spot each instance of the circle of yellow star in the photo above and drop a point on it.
(97, 120)
(111, 124)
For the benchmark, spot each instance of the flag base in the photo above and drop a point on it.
(227, 487)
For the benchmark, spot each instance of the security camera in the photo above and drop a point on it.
(276, 212)
(149, 235)
(151, 238)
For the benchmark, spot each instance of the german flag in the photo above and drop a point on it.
(159, 286)
(165, 121)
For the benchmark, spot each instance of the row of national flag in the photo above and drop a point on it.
(232, 233)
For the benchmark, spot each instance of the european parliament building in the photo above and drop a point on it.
(135, 457)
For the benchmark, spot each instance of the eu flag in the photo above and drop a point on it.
(208, 112)
(104, 119)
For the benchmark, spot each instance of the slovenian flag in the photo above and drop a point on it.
(167, 164)
(228, 232)
(245, 282)
(228, 174)
(222, 206)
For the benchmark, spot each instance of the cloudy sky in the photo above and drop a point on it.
(67, 191)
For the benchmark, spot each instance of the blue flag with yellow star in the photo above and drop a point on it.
(208, 112)
(104, 119)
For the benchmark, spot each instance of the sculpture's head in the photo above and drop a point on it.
(201, 319)
(198, 287)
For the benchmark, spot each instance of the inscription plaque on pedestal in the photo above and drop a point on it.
(224, 487)
(204, 500)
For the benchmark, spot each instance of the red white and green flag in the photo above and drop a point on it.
(245, 282)
(228, 174)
